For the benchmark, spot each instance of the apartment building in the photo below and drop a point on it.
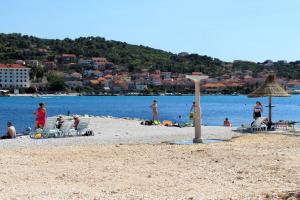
(14, 76)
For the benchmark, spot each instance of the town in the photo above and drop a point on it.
(68, 73)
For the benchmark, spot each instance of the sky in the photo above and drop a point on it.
(254, 30)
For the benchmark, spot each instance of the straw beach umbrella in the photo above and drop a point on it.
(270, 89)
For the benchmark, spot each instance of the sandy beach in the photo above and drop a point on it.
(130, 161)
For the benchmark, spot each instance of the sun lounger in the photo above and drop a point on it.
(50, 125)
(259, 124)
(82, 128)
(50, 130)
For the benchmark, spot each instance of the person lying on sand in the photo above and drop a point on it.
(11, 131)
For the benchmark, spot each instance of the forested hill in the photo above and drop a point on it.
(130, 57)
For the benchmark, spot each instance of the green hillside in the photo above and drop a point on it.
(129, 57)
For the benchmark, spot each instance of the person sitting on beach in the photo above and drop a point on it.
(154, 110)
(76, 121)
(11, 131)
(40, 114)
(59, 122)
(227, 122)
(257, 110)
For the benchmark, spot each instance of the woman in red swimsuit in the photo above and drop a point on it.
(40, 114)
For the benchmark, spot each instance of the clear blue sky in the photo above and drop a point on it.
(227, 29)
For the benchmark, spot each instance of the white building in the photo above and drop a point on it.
(14, 76)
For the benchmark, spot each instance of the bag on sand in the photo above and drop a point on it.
(147, 123)
(156, 122)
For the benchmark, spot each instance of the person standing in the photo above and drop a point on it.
(257, 110)
(192, 111)
(40, 116)
(154, 110)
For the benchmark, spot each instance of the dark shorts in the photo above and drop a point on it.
(257, 114)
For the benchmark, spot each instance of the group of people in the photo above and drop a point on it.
(257, 110)
(154, 107)
(41, 115)
(40, 121)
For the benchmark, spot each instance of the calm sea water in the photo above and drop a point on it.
(238, 109)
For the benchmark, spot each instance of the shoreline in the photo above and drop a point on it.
(110, 130)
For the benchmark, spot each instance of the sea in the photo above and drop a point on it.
(20, 110)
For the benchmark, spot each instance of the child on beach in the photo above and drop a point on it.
(40, 115)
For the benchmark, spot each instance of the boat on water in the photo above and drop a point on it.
(4, 93)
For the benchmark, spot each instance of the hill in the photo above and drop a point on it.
(132, 58)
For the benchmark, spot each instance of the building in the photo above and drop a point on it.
(293, 86)
(67, 58)
(14, 76)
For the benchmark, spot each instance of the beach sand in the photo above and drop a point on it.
(250, 167)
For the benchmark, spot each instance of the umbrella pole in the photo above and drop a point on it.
(270, 111)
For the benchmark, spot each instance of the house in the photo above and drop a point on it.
(214, 87)
(74, 84)
(76, 76)
(101, 63)
(93, 73)
(50, 65)
(67, 58)
(197, 73)
(85, 62)
(20, 62)
(165, 75)
(293, 86)
(42, 52)
(140, 87)
(32, 63)
(14, 76)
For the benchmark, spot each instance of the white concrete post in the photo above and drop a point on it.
(197, 114)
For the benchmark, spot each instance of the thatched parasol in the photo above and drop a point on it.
(270, 89)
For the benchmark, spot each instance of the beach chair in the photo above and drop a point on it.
(55, 132)
(50, 125)
(259, 125)
(82, 128)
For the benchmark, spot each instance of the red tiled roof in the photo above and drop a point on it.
(11, 66)
(214, 85)
(233, 85)
(69, 55)
(293, 83)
